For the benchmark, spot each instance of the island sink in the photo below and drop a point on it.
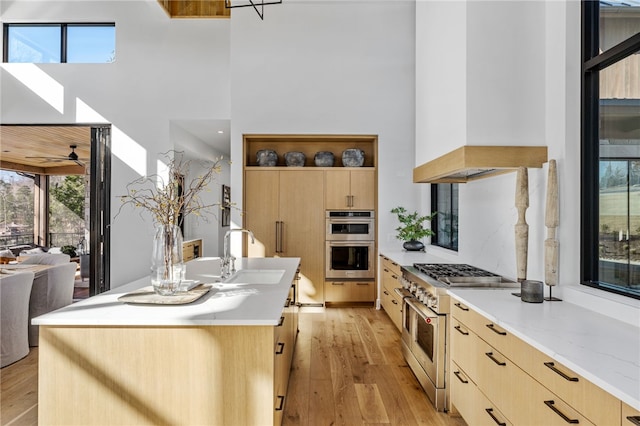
(256, 276)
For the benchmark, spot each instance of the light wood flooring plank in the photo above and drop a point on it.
(19, 390)
(371, 404)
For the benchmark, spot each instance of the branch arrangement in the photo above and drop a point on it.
(167, 201)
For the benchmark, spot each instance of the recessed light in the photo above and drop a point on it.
(221, 131)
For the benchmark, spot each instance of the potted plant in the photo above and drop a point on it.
(412, 228)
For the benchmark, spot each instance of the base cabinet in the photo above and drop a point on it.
(390, 301)
(517, 380)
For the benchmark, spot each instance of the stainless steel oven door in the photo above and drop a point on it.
(407, 321)
(428, 333)
(350, 229)
(349, 259)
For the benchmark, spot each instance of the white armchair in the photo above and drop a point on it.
(47, 259)
(14, 316)
(51, 290)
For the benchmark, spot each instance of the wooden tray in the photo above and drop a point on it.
(146, 296)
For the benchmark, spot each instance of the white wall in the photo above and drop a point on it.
(164, 70)
(319, 67)
(519, 67)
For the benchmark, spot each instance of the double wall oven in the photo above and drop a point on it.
(350, 244)
(425, 313)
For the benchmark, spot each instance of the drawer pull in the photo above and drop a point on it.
(280, 322)
(395, 303)
(490, 355)
(560, 413)
(464, 333)
(495, 419)
(634, 419)
(280, 348)
(287, 302)
(281, 404)
(464, 308)
(386, 292)
(395, 277)
(553, 368)
(457, 373)
(337, 283)
(495, 330)
(362, 284)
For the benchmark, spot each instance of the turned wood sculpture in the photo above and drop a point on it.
(521, 228)
(551, 221)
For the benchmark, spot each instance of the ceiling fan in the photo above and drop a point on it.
(71, 157)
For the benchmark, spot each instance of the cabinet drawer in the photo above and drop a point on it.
(392, 305)
(522, 399)
(391, 266)
(464, 348)
(472, 405)
(349, 291)
(630, 416)
(590, 400)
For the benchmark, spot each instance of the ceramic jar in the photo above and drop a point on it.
(266, 158)
(324, 159)
(294, 159)
(352, 157)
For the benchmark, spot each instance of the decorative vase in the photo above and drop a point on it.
(266, 158)
(166, 260)
(413, 245)
(352, 157)
(294, 159)
(324, 159)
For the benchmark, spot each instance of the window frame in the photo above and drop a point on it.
(592, 63)
(63, 36)
(434, 222)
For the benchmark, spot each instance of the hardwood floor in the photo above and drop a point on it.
(347, 370)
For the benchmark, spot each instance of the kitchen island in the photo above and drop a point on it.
(223, 359)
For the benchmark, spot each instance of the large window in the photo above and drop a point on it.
(444, 200)
(59, 43)
(610, 258)
(16, 209)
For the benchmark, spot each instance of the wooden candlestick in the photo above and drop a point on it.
(521, 227)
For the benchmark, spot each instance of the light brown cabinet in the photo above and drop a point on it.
(350, 189)
(390, 301)
(630, 416)
(191, 250)
(349, 291)
(517, 380)
(284, 210)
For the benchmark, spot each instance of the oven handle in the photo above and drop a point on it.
(424, 312)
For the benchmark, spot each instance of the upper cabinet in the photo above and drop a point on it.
(350, 190)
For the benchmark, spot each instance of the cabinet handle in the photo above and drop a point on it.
(353, 200)
(560, 413)
(385, 270)
(634, 419)
(553, 368)
(281, 321)
(337, 283)
(281, 237)
(395, 277)
(362, 284)
(287, 302)
(464, 308)
(492, 328)
(394, 301)
(464, 333)
(491, 357)
(346, 198)
(281, 404)
(280, 348)
(495, 419)
(386, 292)
(277, 236)
(457, 373)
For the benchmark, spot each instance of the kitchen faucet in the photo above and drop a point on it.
(228, 261)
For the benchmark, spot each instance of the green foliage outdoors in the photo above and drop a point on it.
(413, 225)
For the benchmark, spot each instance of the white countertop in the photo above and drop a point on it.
(224, 304)
(602, 349)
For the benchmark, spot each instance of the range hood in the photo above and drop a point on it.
(476, 162)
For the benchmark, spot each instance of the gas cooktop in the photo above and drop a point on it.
(459, 275)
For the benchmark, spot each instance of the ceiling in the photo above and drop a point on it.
(19, 143)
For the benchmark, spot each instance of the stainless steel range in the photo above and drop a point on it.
(424, 318)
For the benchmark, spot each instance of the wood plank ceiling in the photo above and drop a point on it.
(18, 144)
(195, 8)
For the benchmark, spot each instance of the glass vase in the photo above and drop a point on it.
(166, 260)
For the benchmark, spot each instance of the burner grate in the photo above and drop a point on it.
(439, 270)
